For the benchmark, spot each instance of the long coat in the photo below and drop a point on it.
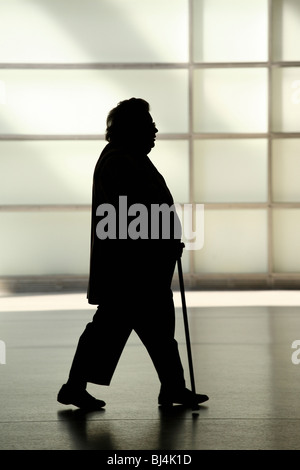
(118, 265)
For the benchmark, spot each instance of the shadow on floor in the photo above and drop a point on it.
(92, 431)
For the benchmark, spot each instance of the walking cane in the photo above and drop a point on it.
(186, 325)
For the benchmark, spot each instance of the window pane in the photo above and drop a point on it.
(235, 241)
(172, 161)
(60, 172)
(56, 31)
(77, 102)
(286, 99)
(230, 170)
(286, 240)
(44, 243)
(230, 100)
(286, 31)
(286, 170)
(231, 31)
(47, 172)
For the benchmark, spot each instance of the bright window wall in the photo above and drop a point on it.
(223, 81)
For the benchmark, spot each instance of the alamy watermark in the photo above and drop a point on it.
(160, 221)
(2, 352)
(295, 356)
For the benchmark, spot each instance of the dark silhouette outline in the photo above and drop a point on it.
(130, 279)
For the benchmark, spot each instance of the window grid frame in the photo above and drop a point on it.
(271, 277)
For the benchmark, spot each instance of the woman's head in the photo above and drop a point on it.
(130, 124)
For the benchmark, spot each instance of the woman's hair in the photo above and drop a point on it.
(125, 118)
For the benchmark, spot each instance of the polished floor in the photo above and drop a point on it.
(242, 355)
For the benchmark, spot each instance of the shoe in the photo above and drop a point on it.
(82, 399)
(185, 397)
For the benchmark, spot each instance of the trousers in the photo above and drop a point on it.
(151, 316)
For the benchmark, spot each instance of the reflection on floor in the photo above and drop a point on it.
(242, 354)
